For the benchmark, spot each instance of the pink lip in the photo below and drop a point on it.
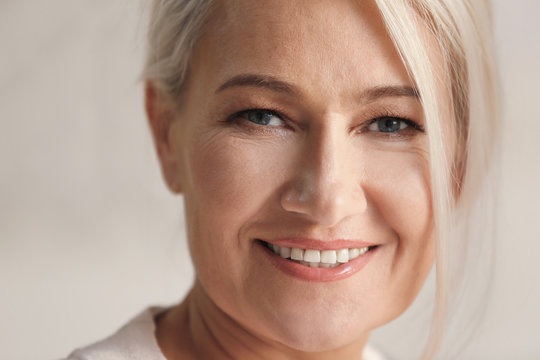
(307, 273)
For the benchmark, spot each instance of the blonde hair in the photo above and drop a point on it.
(174, 28)
(460, 187)
(461, 30)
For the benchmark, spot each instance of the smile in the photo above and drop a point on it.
(318, 261)
(318, 258)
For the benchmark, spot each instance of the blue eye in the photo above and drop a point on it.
(262, 117)
(388, 124)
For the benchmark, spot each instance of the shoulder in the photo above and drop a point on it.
(135, 341)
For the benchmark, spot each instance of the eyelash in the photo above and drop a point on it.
(411, 124)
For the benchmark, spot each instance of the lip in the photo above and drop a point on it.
(306, 273)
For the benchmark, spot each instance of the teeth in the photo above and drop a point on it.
(297, 254)
(316, 258)
(328, 257)
(353, 253)
(312, 256)
(284, 252)
(343, 255)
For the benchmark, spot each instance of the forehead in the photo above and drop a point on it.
(335, 46)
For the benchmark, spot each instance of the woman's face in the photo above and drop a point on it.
(299, 128)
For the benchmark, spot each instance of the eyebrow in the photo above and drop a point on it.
(273, 84)
(263, 81)
(378, 92)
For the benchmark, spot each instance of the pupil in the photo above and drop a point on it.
(388, 125)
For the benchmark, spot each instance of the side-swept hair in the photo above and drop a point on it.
(463, 187)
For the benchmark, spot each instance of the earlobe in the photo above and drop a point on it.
(159, 111)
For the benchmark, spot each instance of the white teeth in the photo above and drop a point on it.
(316, 258)
(343, 255)
(354, 253)
(312, 256)
(285, 252)
(297, 254)
(328, 256)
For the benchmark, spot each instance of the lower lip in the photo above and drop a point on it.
(306, 273)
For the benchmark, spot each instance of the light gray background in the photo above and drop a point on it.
(88, 234)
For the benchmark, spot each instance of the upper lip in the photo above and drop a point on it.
(317, 244)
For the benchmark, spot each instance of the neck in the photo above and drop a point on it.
(198, 329)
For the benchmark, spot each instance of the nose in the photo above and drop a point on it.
(327, 183)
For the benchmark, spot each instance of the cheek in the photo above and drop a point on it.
(230, 181)
(232, 178)
(399, 190)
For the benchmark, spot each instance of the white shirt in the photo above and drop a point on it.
(137, 341)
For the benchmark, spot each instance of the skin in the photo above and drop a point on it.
(320, 170)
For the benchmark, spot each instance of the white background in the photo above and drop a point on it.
(88, 234)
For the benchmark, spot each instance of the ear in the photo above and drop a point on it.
(159, 110)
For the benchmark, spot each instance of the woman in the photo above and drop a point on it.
(324, 149)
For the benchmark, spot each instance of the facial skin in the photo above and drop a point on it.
(320, 169)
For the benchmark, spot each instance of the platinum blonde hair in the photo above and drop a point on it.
(461, 186)
(174, 28)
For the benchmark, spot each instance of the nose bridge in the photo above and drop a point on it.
(325, 186)
(325, 165)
